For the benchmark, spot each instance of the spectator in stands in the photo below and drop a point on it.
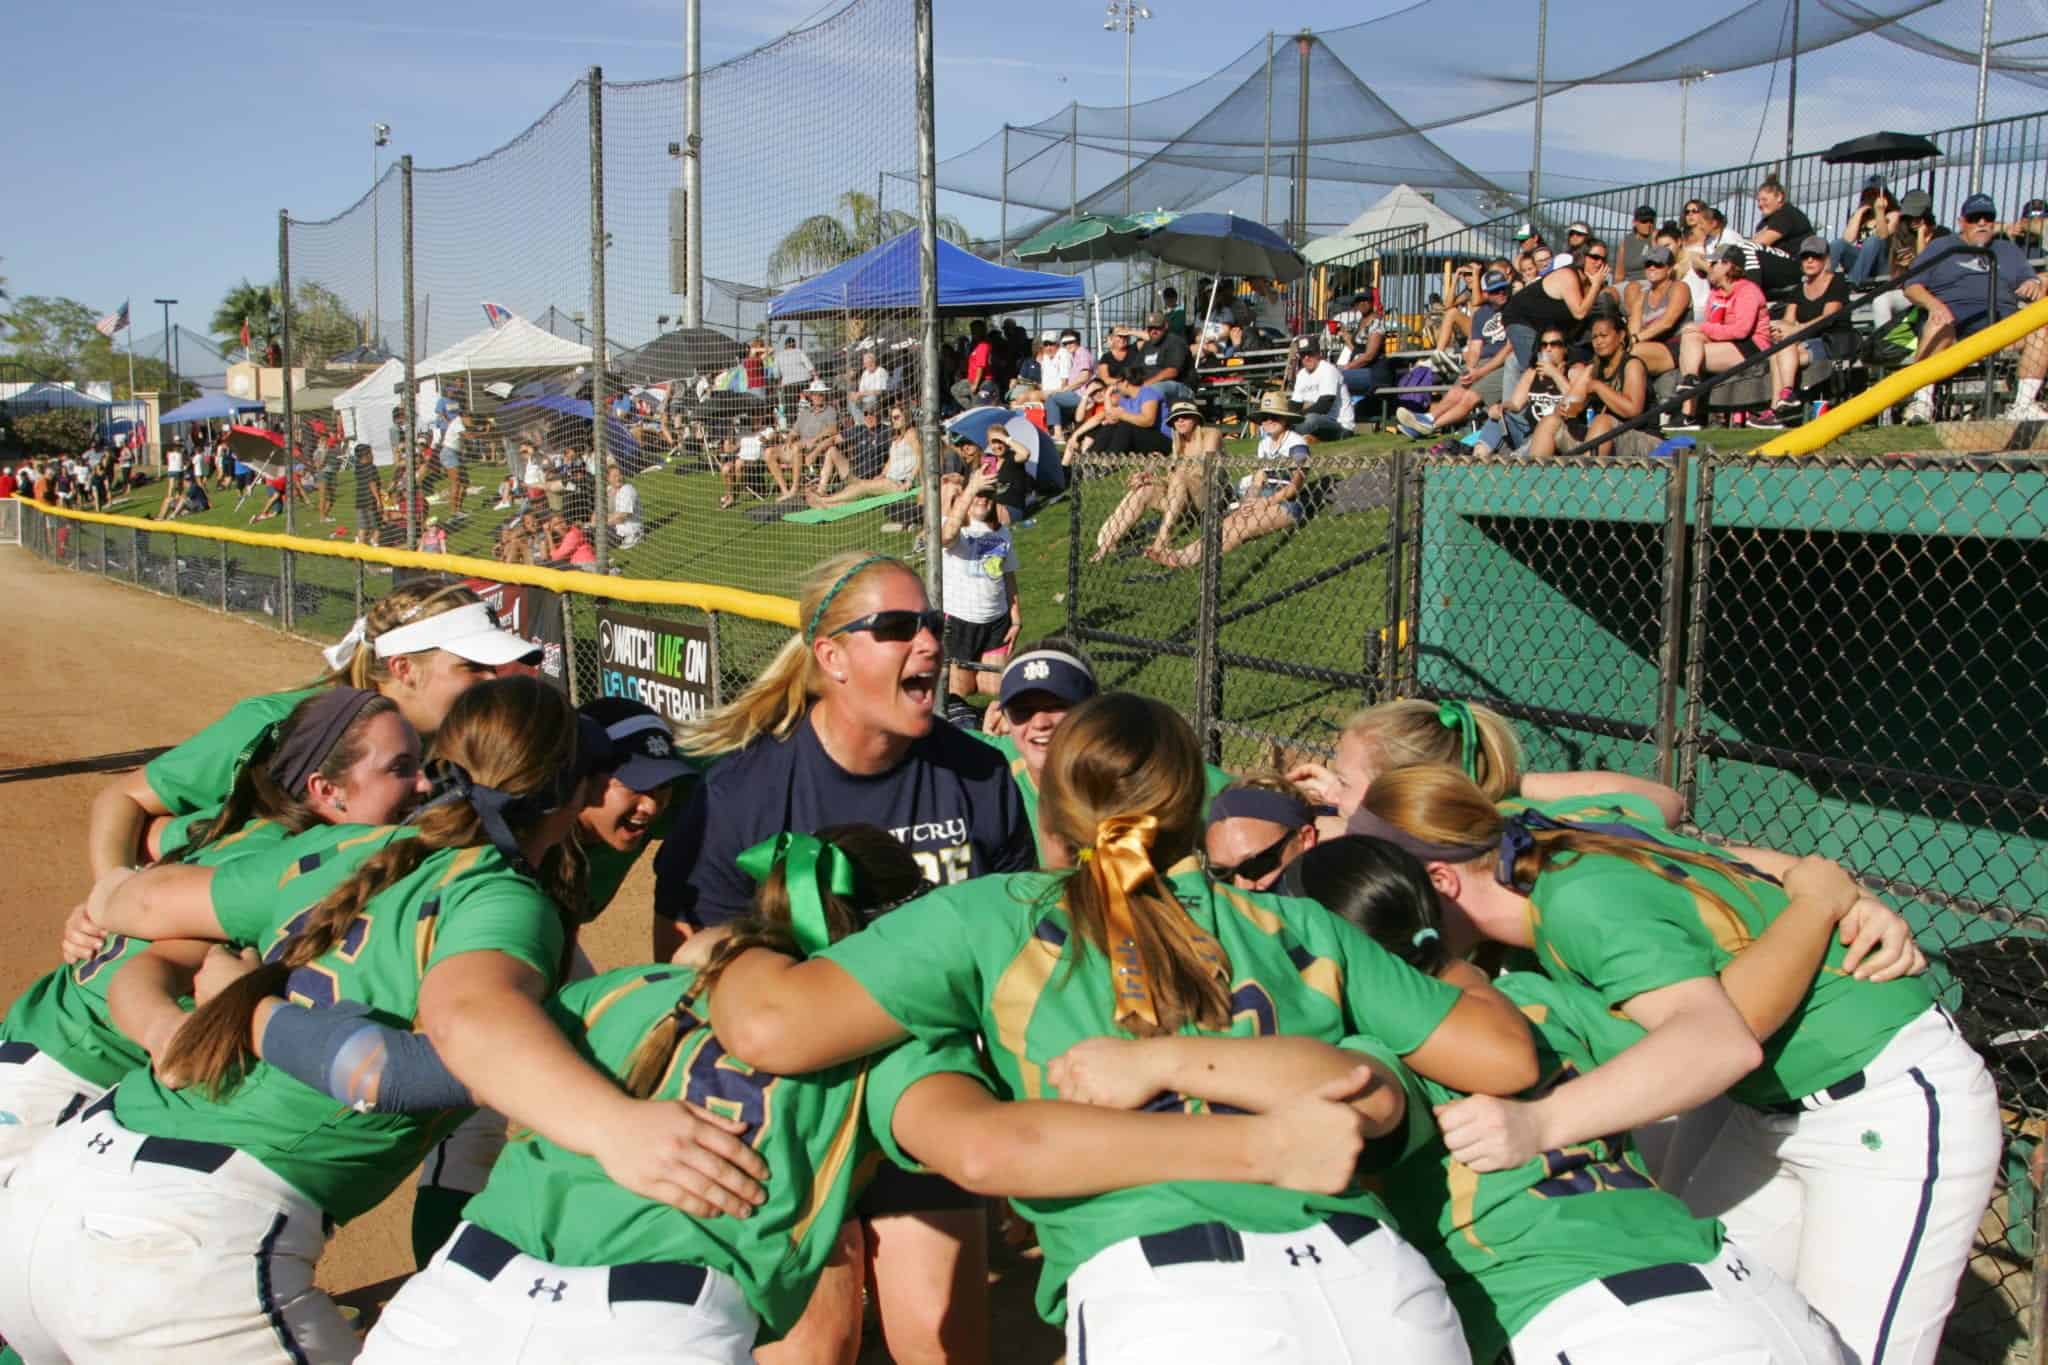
(1076, 368)
(1713, 229)
(1119, 359)
(1486, 357)
(1560, 299)
(1164, 360)
(793, 372)
(905, 463)
(872, 383)
(1656, 306)
(1597, 262)
(1781, 225)
(1176, 316)
(2028, 229)
(624, 526)
(866, 446)
(1642, 234)
(1539, 390)
(816, 437)
(1134, 421)
(1054, 366)
(1912, 229)
(754, 365)
(1321, 400)
(977, 383)
(1819, 311)
(567, 545)
(1964, 292)
(983, 608)
(1611, 388)
(1735, 327)
(1859, 251)
(1363, 358)
(1097, 397)
(1575, 235)
(1171, 489)
(1273, 497)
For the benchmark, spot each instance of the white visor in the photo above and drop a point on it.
(468, 632)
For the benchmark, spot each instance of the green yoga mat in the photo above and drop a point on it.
(811, 516)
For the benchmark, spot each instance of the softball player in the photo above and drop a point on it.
(420, 645)
(63, 1043)
(1137, 940)
(1862, 1139)
(556, 1262)
(183, 1225)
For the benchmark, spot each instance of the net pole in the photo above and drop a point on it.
(928, 310)
(1266, 173)
(1304, 42)
(1792, 89)
(410, 407)
(600, 407)
(1003, 228)
(1074, 156)
(693, 164)
(1536, 152)
(1983, 85)
(291, 468)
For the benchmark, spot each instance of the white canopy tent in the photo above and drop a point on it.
(365, 409)
(512, 346)
(1400, 207)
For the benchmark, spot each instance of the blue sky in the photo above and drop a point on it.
(152, 144)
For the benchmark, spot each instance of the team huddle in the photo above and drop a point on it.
(1416, 1057)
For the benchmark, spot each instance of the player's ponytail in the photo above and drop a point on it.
(257, 794)
(849, 874)
(1473, 738)
(1434, 807)
(514, 738)
(1122, 787)
(832, 594)
(352, 661)
(1380, 888)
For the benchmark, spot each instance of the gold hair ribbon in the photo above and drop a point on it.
(1123, 849)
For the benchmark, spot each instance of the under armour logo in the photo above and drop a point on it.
(1038, 671)
(1738, 1271)
(99, 1142)
(1305, 1254)
(553, 1291)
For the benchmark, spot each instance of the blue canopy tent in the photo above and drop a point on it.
(209, 408)
(885, 280)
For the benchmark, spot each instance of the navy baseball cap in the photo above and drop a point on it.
(1047, 670)
(1978, 203)
(642, 745)
(1494, 283)
(2034, 208)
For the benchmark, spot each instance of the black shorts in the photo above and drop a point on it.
(895, 1190)
(968, 641)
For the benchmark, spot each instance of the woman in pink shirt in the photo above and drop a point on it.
(1737, 325)
(567, 544)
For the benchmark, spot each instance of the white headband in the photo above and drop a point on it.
(436, 631)
(341, 651)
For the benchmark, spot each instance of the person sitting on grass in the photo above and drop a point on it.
(291, 483)
(517, 539)
(1613, 388)
(1132, 421)
(900, 475)
(1090, 416)
(1486, 357)
(1270, 498)
(1320, 394)
(1171, 489)
(567, 545)
(783, 456)
(623, 522)
(191, 500)
(983, 608)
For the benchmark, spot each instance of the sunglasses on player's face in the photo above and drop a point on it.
(1260, 865)
(896, 627)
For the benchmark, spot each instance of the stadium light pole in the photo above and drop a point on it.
(1536, 153)
(1687, 78)
(693, 166)
(1125, 14)
(1983, 84)
(170, 374)
(380, 136)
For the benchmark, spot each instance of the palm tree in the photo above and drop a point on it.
(822, 241)
(251, 304)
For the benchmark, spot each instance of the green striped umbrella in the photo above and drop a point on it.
(1091, 237)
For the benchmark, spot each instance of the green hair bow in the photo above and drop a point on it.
(813, 867)
(1457, 715)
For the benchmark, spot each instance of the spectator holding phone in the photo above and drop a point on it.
(983, 609)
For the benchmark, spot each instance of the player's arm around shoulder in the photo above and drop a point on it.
(170, 900)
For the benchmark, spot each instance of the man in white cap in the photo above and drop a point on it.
(816, 436)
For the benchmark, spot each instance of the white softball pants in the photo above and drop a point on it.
(1268, 1297)
(117, 1248)
(1869, 1203)
(36, 1090)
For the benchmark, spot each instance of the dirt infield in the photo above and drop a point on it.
(99, 677)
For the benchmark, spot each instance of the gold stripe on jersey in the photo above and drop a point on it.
(1266, 921)
(1464, 1187)
(827, 1174)
(1016, 997)
(423, 930)
(460, 863)
(1326, 978)
(228, 840)
(370, 835)
(615, 995)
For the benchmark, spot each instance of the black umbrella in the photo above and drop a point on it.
(1875, 149)
(686, 351)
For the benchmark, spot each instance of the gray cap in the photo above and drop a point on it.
(1916, 203)
(1657, 255)
(1816, 245)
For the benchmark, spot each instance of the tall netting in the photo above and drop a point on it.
(621, 439)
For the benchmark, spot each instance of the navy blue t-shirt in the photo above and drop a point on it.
(951, 802)
(1961, 281)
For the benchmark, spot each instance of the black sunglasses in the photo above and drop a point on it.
(1980, 217)
(1259, 865)
(1558, 342)
(1591, 257)
(895, 627)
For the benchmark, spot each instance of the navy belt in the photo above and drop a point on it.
(1840, 1090)
(1199, 1242)
(485, 1254)
(203, 1157)
(17, 1053)
(1657, 1282)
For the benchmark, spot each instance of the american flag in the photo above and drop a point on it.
(112, 322)
(496, 314)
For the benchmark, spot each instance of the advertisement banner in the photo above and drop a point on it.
(532, 613)
(662, 664)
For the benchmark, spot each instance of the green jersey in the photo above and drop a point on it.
(1618, 929)
(199, 773)
(993, 955)
(456, 901)
(1508, 1243)
(822, 1136)
(64, 1013)
(1214, 780)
